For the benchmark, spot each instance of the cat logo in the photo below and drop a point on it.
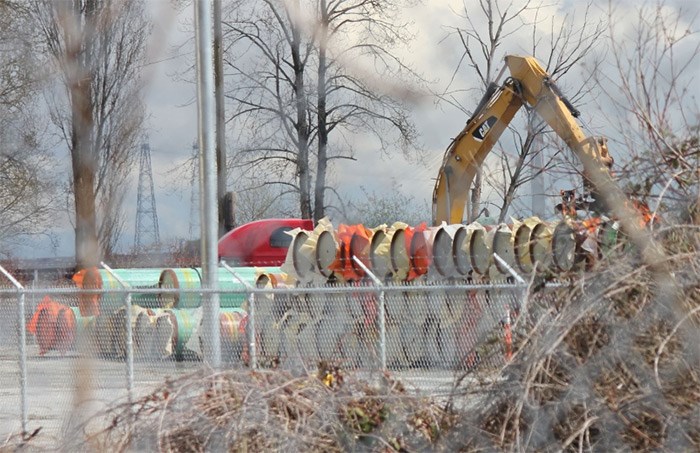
(480, 133)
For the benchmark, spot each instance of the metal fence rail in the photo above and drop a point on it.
(50, 350)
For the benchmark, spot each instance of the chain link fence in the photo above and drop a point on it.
(606, 361)
(58, 356)
(398, 327)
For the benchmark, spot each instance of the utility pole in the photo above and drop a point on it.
(220, 117)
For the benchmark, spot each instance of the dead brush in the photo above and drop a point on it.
(649, 341)
(578, 429)
(366, 413)
(232, 410)
(645, 428)
(587, 337)
(683, 391)
(432, 419)
(183, 439)
(617, 386)
(610, 367)
(243, 411)
(504, 425)
(550, 380)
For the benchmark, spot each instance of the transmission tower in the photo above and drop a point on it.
(146, 232)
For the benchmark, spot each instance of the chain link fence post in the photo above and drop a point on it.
(33, 299)
(251, 316)
(251, 340)
(21, 318)
(382, 311)
(521, 294)
(129, 335)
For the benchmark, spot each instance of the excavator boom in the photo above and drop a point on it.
(529, 84)
(469, 149)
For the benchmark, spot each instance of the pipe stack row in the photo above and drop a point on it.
(164, 324)
(185, 282)
(429, 329)
(449, 329)
(157, 333)
(403, 253)
(420, 327)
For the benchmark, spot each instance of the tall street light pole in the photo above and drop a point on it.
(207, 166)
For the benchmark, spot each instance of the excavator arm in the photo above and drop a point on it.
(528, 84)
(468, 150)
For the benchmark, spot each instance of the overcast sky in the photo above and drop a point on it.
(172, 122)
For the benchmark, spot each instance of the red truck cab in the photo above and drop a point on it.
(260, 243)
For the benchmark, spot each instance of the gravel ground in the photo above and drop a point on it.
(51, 382)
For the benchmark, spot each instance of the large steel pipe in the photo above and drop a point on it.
(460, 251)
(502, 244)
(479, 249)
(541, 246)
(443, 250)
(521, 246)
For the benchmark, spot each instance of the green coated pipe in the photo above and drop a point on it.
(190, 278)
(186, 320)
(136, 278)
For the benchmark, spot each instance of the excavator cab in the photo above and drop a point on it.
(590, 201)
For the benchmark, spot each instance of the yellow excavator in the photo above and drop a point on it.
(528, 84)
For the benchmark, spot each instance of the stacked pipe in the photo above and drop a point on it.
(417, 329)
(56, 326)
(162, 322)
(401, 253)
(299, 329)
(166, 324)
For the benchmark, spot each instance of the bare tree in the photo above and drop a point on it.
(347, 99)
(263, 202)
(560, 45)
(26, 192)
(98, 48)
(286, 108)
(514, 165)
(648, 86)
(26, 168)
(266, 59)
(17, 72)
